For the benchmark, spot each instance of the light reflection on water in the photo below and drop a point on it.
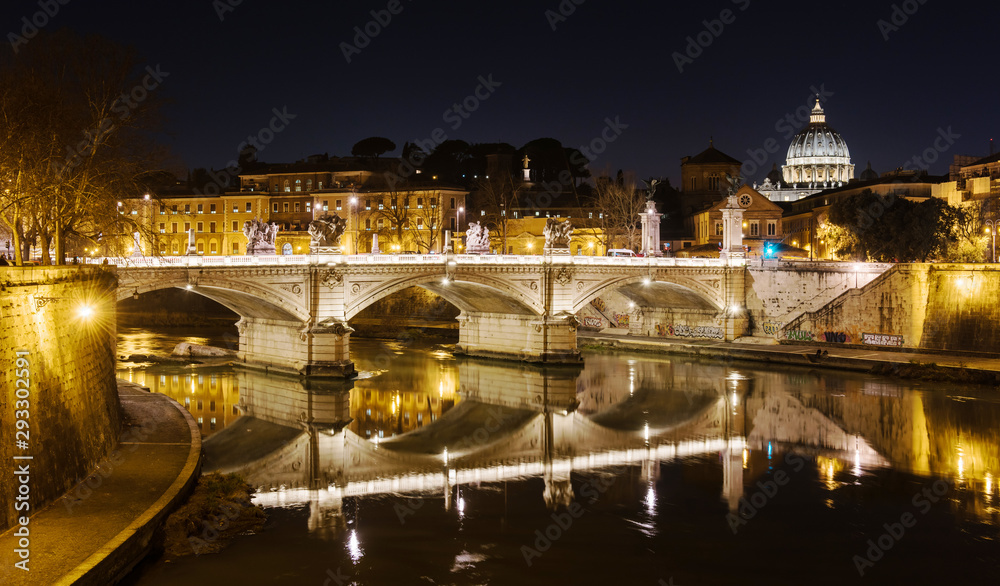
(657, 451)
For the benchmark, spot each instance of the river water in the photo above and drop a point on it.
(634, 469)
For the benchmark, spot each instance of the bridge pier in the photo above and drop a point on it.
(296, 348)
(529, 338)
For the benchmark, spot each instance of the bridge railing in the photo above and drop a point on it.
(409, 260)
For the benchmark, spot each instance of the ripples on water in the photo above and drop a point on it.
(442, 470)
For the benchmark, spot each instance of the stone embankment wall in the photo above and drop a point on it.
(72, 413)
(921, 306)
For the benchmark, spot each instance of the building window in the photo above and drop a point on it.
(298, 185)
(187, 226)
(201, 208)
(201, 248)
(453, 203)
(320, 185)
(368, 204)
(236, 226)
(380, 224)
(211, 209)
(249, 207)
(201, 226)
(275, 208)
(453, 224)
(175, 248)
(309, 206)
(163, 210)
(368, 223)
(288, 186)
(163, 228)
(694, 184)
(284, 207)
(173, 209)
(297, 206)
(236, 248)
(187, 208)
(771, 228)
(309, 184)
(214, 248)
(754, 229)
(718, 228)
(420, 203)
(211, 227)
(173, 227)
(236, 208)
(420, 223)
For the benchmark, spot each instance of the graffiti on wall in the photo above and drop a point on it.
(621, 320)
(882, 339)
(599, 304)
(771, 328)
(800, 336)
(838, 337)
(682, 331)
(593, 322)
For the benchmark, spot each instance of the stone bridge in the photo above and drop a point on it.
(295, 309)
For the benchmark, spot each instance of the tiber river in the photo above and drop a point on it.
(636, 469)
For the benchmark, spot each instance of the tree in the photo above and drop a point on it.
(372, 148)
(498, 197)
(75, 121)
(618, 205)
(426, 221)
(890, 228)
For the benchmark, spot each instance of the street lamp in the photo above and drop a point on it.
(357, 228)
(991, 228)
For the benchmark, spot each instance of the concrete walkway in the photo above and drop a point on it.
(842, 358)
(98, 530)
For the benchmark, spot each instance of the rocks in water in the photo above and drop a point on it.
(186, 349)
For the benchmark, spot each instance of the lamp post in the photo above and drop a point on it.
(357, 228)
(991, 227)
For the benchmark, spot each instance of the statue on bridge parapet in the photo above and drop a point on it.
(477, 239)
(260, 236)
(557, 236)
(326, 232)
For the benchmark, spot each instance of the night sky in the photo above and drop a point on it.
(605, 60)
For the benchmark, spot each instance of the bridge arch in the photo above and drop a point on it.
(470, 293)
(675, 292)
(243, 296)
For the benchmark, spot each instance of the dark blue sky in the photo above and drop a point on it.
(605, 60)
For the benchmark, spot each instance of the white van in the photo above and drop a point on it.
(621, 252)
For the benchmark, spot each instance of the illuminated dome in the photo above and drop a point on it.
(818, 156)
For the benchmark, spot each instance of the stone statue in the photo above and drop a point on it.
(260, 236)
(326, 232)
(557, 233)
(735, 182)
(477, 239)
(651, 184)
(525, 160)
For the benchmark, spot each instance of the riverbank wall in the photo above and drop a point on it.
(59, 395)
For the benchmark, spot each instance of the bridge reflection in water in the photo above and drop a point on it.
(428, 423)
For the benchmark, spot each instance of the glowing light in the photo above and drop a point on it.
(735, 308)
(746, 457)
(645, 432)
(354, 547)
(189, 287)
(651, 499)
(736, 399)
(445, 456)
(444, 281)
(989, 485)
(461, 506)
(85, 311)
(646, 281)
(770, 450)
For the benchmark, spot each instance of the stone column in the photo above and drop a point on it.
(529, 338)
(192, 249)
(650, 230)
(375, 249)
(732, 230)
(296, 348)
